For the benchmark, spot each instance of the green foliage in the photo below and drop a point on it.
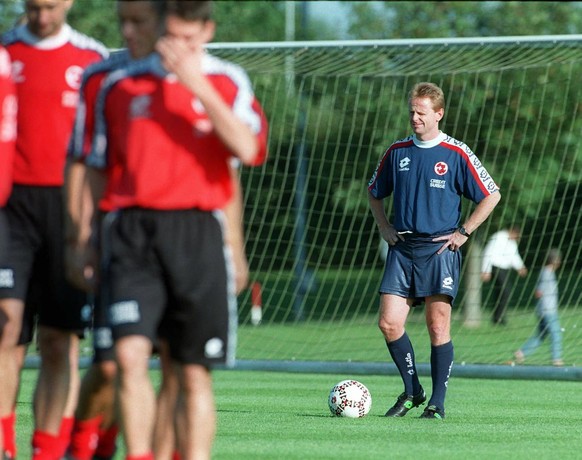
(435, 19)
(341, 112)
(10, 12)
(98, 19)
(249, 21)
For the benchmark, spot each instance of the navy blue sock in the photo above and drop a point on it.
(403, 356)
(441, 363)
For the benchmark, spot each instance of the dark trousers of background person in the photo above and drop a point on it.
(502, 291)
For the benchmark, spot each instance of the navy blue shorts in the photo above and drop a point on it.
(169, 277)
(414, 270)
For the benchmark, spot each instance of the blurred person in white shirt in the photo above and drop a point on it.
(500, 256)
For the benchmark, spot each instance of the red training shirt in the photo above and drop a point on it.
(158, 144)
(47, 73)
(93, 76)
(8, 110)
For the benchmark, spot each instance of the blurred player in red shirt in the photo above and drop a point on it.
(140, 26)
(167, 129)
(48, 59)
(8, 111)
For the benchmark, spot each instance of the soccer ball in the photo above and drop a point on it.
(350, 398)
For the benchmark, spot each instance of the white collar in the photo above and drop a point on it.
(49, 43)
(429, 144)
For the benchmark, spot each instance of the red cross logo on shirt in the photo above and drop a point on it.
(441, 168)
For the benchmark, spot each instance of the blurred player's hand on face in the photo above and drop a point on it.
(177, 57)
(182, 46)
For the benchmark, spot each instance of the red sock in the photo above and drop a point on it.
(107, 437)
(176, 455)
(8, 434)
(45, 446)
(65, 433)
(84, 438)
(149, 456)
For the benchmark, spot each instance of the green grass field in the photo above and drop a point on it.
(359, 339)
(341, 317)
(282, 415)
(271, 415)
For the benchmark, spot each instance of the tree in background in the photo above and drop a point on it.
(258, 21)
(433, 19)
(10, 12)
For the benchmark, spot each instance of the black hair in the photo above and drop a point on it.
(159, 5)
(190, 10)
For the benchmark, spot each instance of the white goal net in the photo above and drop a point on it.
(333, 108)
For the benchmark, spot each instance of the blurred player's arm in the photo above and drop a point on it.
(233, 132)
(77, 234)
(77, 201)
(84, 187)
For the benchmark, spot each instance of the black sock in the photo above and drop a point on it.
(441, 363)
(403, 356)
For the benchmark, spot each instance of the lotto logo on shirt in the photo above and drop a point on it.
(404, 164)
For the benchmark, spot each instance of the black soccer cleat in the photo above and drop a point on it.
(406, 402)
(433, 412)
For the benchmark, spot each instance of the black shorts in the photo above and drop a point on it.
(171, 268)
(5, 275)
(101, 328)
(36, 262)
(414, 270)
(102, 336)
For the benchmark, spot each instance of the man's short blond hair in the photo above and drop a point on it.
(428, 90)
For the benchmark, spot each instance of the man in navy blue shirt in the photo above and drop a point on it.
(427, 174)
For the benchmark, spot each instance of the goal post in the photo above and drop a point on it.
(333, 108)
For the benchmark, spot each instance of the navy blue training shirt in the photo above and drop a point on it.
(428, 180)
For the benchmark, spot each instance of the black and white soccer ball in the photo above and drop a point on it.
(350, 398)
